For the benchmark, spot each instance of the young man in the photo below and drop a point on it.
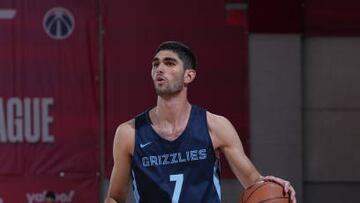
(171, 151)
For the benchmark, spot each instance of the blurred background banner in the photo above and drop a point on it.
(49, 124)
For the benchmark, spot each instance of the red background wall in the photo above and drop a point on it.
(133, 31)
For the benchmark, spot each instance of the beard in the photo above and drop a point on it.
(167, 89)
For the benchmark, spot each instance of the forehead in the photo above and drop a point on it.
(164, 54)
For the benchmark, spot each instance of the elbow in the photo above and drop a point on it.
(113, 200)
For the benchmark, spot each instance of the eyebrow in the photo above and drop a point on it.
(165, 59)
(170, 59)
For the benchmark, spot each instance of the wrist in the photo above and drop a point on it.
(260, 179)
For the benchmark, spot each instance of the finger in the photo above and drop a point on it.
(293, 198)
(286, 186)
(292, 193)
(283, 182)
(271, 178)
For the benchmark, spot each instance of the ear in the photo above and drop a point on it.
(189, 75)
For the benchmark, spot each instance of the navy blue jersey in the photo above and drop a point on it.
(184, 170)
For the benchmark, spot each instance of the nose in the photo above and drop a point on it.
(160, 68)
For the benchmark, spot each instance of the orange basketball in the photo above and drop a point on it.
(265, 192)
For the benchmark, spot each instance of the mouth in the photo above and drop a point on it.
(160, 79)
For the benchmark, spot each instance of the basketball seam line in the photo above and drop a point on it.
(273, 199)
(254, 191)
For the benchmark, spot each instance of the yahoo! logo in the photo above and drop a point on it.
(60, 197)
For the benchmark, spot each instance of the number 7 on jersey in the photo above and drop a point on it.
(178, 178)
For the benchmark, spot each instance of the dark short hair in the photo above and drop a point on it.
(183, 52)
(50, 194)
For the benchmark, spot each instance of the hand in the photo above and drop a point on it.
(286, 184)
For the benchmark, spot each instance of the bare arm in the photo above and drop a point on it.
(226, 140)
(124, 142)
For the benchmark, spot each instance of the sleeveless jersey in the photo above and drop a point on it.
(184, 170)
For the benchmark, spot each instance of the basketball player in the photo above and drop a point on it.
(170, 153)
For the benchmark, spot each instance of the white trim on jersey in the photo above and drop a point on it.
(216, 179)
(135, 190)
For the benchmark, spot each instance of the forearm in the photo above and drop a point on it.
(245, 171)
(251, 179)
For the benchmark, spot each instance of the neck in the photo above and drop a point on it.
(172, 109)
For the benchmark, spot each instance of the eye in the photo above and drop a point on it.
(155, 64)
(169, 63)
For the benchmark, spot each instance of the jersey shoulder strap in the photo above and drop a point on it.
(140, 120)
